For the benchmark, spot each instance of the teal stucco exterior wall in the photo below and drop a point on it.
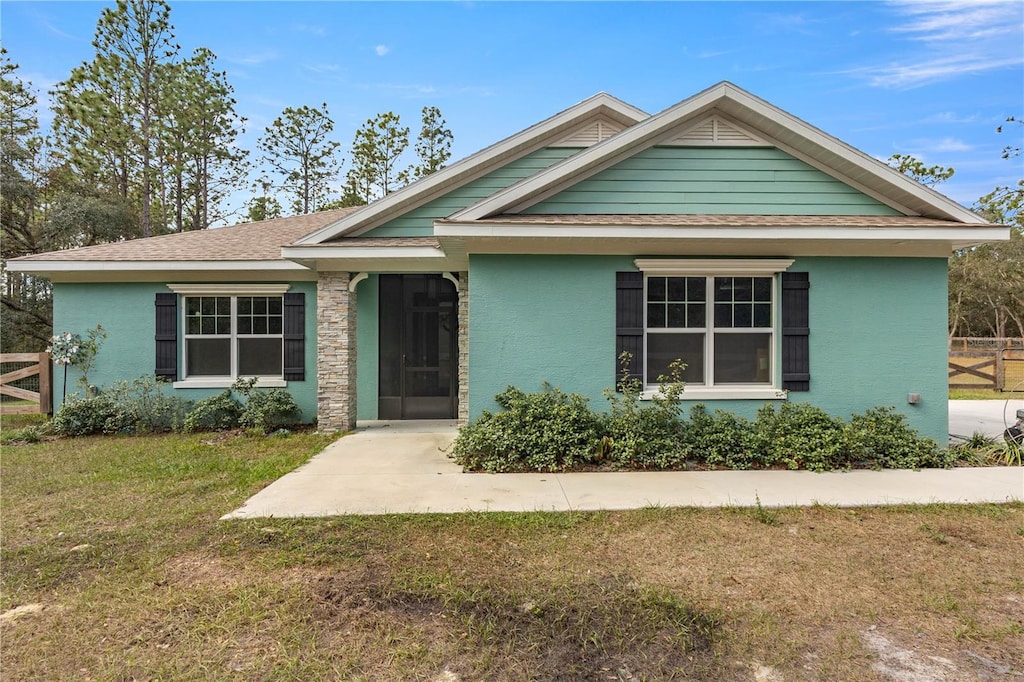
(367, 348)
(541, 318)
(126, 312)
(878, 332)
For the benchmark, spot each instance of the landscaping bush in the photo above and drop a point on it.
(881, 438)
(553, 431)
(137, 406)
(79, 416)
(262, 411)
(545, 431)
(266, 411)
(800, 436)
(215, 413)
(719, 439)
(643, 436)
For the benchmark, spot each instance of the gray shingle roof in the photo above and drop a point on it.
(260, 241)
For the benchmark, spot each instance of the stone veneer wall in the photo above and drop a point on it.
(463, 340)
(335, 353)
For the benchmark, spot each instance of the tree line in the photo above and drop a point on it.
(145, 141)
(986, 283)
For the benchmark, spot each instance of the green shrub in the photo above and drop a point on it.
(544, 431)
(800, 436)
(79, 416)
(266, 411)
(144, 407)
(644, 436)
(137, 406)
(215, 413)
(720, 439)
(881, 438)
(262, 411)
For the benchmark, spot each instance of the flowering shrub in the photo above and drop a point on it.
(64, 348)
(71, 349)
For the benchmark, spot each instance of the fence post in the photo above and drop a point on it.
(998, 378)
(45, 384)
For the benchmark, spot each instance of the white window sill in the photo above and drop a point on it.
(226, 383)
(734, 393)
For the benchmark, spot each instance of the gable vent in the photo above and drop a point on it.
(714, 131)
(590, 134)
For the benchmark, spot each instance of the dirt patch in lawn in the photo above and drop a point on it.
(609, 627)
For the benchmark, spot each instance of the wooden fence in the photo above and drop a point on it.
(987, 363)
(35, 373)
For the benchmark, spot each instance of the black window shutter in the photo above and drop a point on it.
(629, 322)
(295, 337)
(167, 336)
(796, 361)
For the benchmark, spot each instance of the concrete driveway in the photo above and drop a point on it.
(401, 468)
(990, 417)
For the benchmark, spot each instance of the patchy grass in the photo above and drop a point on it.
(983, 394)
(117, 544)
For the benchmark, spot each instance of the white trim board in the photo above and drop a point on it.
(149, 265)
(229, 289)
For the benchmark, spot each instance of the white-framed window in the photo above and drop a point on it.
(233, 336)
(719, 317)
(230, 332)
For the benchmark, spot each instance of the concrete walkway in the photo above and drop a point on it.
(400, 468)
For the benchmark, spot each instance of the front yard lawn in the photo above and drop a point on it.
(115, 567)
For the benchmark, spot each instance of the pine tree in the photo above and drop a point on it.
(433, 144)
(297, 146)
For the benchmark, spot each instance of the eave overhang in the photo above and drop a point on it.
(335, 257)
(493, 236)
(59, 270)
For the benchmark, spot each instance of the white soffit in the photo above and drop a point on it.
(745, 112)
(477, 165)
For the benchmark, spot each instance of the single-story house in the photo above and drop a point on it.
(776, 261)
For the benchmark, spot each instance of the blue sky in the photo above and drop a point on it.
(932, 79)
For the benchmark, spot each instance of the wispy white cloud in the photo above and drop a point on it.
(322, 68)
(413, 90)
(255, 58)
(316, 30)
(710, 54)
(945, 117)
(943, 20)
(950, 144)
(382, 50)
(922, 72)
(57, 32)
(951, 39)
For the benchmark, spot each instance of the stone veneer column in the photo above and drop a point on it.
(463, 341)
(335, 353)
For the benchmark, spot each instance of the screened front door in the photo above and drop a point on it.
(418, 347)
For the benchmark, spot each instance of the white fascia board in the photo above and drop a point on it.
(740, 266)
(470, 168)
(306, 253)
(150, 266)
(506, 231)
(210, 289)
